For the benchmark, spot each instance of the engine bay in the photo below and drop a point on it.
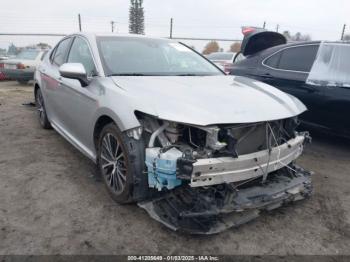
(180, 154)
(207, 179)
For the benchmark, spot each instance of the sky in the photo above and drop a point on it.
(214, 19)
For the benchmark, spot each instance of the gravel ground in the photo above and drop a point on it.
(52, 203)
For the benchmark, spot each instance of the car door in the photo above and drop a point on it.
(51, 82)
(331, 72)
(79, 104)
(288, 69)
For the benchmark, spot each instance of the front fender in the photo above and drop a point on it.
(123, 122)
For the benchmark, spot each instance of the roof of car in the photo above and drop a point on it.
(94, 35)
(276, 48)
(292, 44)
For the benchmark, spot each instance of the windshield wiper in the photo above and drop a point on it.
(127, 74)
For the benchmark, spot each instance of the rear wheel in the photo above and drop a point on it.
(40, 105)
(120, 161)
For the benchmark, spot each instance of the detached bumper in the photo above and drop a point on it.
(215, 209)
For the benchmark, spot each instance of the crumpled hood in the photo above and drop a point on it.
(207, 100)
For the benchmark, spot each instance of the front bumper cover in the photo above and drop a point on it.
(214, 209)
(214, 171)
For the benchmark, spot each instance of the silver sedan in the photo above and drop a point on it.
(157, 117)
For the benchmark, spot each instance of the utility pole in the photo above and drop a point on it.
(112, 24)
(277, 28)
(171, 28)
(343, 32)
(264, 24)
(79, 19)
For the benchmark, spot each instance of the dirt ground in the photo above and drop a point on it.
(52, 203)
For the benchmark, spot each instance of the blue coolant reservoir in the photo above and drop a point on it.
(162, 168)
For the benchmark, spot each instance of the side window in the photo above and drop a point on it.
(298, 58)
(80, 53)
(273, 60)
(61, 52)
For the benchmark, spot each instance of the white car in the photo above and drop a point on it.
(22, 67)
(225, 60)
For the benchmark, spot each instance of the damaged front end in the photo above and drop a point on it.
(210, 178)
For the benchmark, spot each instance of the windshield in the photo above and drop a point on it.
(144, 56)
(220, 56)
(28, 54)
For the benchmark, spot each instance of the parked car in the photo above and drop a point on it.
(223, 60)
(22, 67)
(2, 75)
(171, 131)
(315, 72)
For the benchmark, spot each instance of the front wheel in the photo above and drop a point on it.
(40, 105)
(121, 164)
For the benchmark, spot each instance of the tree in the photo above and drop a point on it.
(136, 17)
(12, 50)
(235, 47)
(287, 35)
(300, 37)
(211, 47)
(297, 37)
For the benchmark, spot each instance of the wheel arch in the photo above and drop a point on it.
(101, 122)
(106, 115)
(36, 87)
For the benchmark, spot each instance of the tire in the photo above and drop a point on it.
(40, 105)
(23, 82)
(121, 163)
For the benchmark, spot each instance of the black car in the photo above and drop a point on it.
(321, 80)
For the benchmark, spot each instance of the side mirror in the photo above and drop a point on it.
(74, 71)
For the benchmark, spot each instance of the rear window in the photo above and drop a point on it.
(220, 56)
(298, 58)
(273, 60)
(28, 54)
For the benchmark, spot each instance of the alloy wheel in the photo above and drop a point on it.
(41, 107)
(113, 163)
